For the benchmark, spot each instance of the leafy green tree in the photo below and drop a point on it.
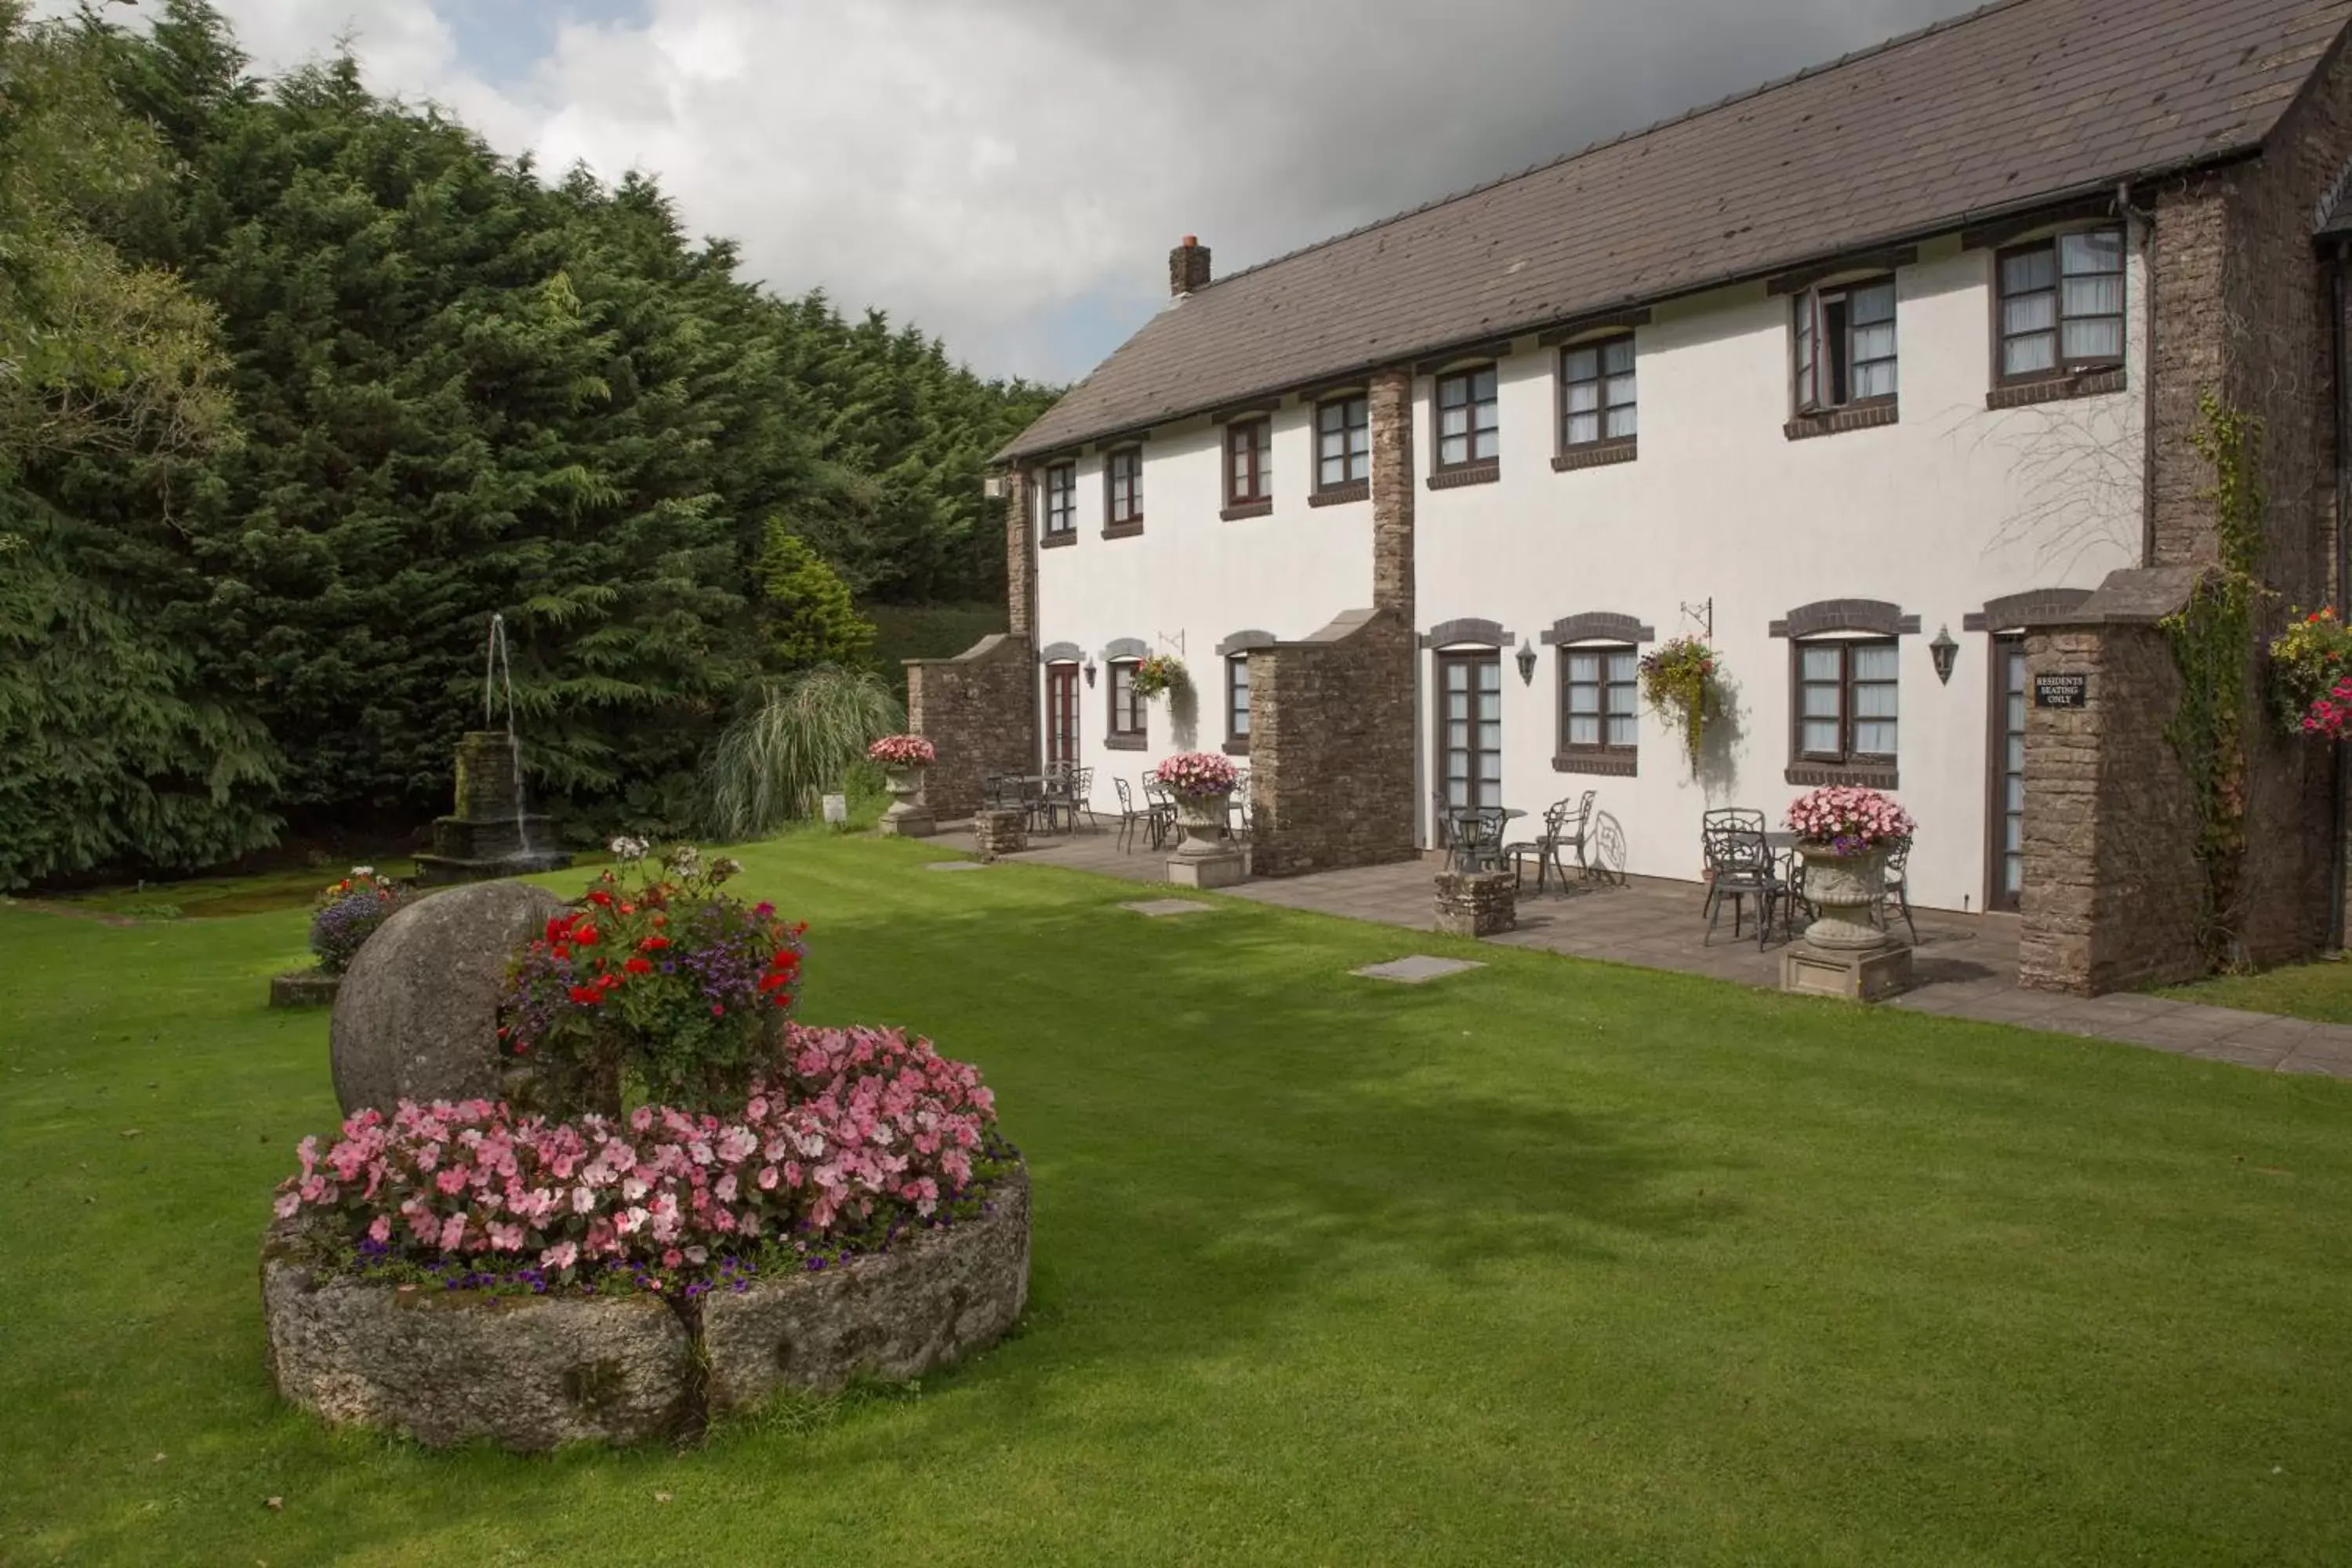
(806, 617)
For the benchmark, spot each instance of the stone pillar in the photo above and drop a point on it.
(2113, 889)
(995, 833)
(1476, 903)
(979, 711)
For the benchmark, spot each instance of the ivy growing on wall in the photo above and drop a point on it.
(2213, 645)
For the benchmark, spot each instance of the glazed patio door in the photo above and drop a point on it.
(2008, 764)
(1061, 715)
(1470, 728)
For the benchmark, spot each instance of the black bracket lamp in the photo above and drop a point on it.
(1526, 656)
(1945, 652)
(1090, 672)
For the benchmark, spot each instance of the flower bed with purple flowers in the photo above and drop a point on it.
(348, 912)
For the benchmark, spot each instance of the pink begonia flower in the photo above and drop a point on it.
(583, 1199)
(453, 1232)
(380, 1231)
(724, 1187)
(673, 1258)
(767, 1178)
(563, 1255)
(288, 1204)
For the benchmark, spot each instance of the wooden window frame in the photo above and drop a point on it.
(1237, 736)
(1809, 324)
(1599, 346)
(1254, 438)
(1845, 756)
(1603, 749)
(1468, 378)
(1357, 414)
(1472, 660)
(1126, 706)
(2062, 368)
(1061, 500)
(1123, 512)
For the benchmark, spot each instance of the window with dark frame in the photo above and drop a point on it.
(1249, 461)
(1469, 424)
(1343, 442)
(1237, 696)
(1597, 402)
(2061, 305)
(1846, 690)
(1600, 706)
(1124, 485)
(1061, 499)
(1846, 344)
(1127, 710)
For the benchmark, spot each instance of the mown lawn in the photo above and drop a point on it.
(1550, 1263)
(2320, 991)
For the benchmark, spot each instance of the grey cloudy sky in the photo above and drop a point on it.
(1010, 173)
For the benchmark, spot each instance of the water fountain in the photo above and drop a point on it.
(490, 833)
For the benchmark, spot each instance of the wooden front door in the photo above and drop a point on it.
(2006, 762)
(1470, 728)
(1061, 714)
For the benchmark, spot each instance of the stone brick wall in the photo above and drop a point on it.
(979, 710)
(1333, 718)
(1020, 556)
(2111, 880)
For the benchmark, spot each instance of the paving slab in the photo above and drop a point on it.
(957, 866)
(1160, 909)
(1417, 969)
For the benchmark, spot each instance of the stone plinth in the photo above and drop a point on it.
(1224, 869)
(907, 817)
(489, 834)
(304, 988)
(1476, 903)
(995, 833)
(449, 1367)
(1851, 975)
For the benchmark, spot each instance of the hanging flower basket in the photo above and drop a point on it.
(1161, 672)
(1678, 681)
(2308, 661)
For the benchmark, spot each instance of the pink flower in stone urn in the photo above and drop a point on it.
(903, 760)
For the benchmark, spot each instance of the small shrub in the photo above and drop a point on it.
(661, 983)
(348, 912)
(808, 735)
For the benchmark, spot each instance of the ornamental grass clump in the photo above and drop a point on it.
(2309, 662)
(1678, 681)
(902, 751)
(860, 1134)
(349, 911)
(1198, 776)
(1850, 820)
(660, 985)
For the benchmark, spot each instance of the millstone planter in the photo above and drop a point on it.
(1843, 953)
(304, 988)
(447, 1367)
(907, 817)
(1206, 858)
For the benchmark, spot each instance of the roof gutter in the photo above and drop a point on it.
(1015, 452)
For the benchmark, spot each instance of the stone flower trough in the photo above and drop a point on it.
(529, 1373)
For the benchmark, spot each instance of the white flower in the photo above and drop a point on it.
(627, 848)
(362, 870)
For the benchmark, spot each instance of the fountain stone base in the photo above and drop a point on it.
(488, 835)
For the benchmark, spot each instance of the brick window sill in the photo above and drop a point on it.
(1342, 495)
(1840, 421)
(1598, 455)
(1868, 775)
(1123, 530)
(1486, 473)
(1598, 764)
(1242, 512)
(2059, 388)
(1059, 540)
(1126, 744)
(1237, 748)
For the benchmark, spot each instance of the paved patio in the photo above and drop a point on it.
(1965, 965)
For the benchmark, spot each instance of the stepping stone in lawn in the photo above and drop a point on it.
(957, 866)
(1157, 909)
(1417, 970)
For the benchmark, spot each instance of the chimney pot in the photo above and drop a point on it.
(1187, 267)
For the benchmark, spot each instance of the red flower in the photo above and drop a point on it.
(584, 934)
(718, 1010)
(638, 966)
(586, 995)
(653, 945)
(600, 898)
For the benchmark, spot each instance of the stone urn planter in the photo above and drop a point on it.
(907, 817)
(1843, 953)
(1206, 858)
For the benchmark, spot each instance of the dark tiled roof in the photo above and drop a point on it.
(2024, 101)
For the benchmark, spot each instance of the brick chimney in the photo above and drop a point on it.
(1187, 267)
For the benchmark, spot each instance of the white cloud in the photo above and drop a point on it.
(1010, 173)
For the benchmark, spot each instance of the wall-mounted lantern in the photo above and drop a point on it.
(1526, 663)
(1945, 652)
(1090, 672)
